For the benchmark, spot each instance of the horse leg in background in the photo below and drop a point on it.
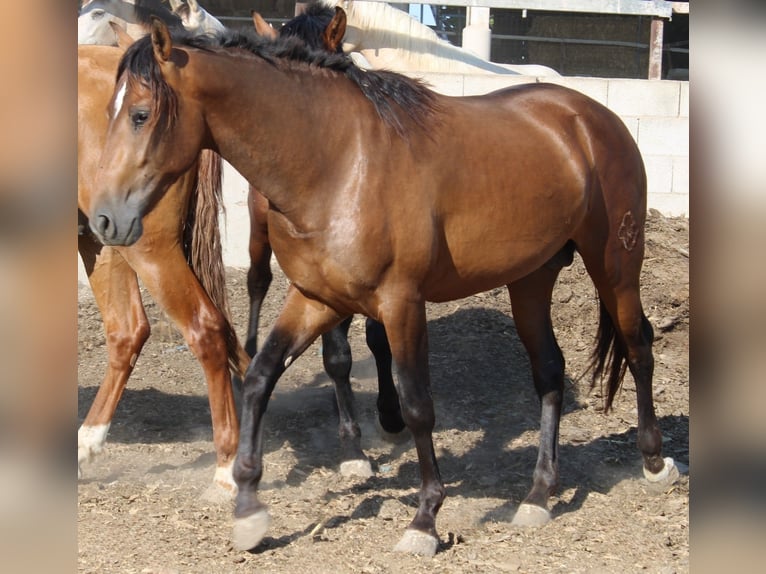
(259, 275)
(299, 323)
(336, 352)
(336, 356)
(126, 329)
(389, 409)
(531, 303)
(162, 267)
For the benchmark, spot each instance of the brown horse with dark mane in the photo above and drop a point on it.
(384, 195)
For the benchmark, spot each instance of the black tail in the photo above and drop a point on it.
(608, 355)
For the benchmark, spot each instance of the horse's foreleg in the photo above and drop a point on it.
(259, 275)
(336, 354)
(531, 301)
(115, 289)
(406, 328)
(168, 278)
(300, 322)
(389, 410)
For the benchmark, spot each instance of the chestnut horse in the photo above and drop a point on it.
(181, 230)
(384, 195)
(177, 233)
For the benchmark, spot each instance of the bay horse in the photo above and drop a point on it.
(384, 195)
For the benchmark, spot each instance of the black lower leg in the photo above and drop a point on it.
(389, 410)
(336, 354)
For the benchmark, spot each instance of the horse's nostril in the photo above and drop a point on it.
(104, 226)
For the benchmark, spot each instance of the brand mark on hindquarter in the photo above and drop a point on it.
(628, 232)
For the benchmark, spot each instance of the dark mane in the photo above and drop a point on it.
(139, 12)
(396, 98)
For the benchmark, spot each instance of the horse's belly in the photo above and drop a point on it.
(498, 249)
(486, 271)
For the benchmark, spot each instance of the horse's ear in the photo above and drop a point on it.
(262, 27)
(336, 29)
(123, 39)
(161, 40)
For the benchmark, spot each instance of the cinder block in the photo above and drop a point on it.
(680, 175)
(663, 136)
(644, 97)
(683, 105)
(670, 204)
(659, 174)
(632, 124)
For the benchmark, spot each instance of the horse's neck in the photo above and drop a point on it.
(250, 106)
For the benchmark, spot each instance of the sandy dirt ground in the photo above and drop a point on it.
(141, 507)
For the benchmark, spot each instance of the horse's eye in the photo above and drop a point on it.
(97, 14)
(138, 118)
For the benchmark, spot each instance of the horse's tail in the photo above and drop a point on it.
(203, 247)
(609, 358)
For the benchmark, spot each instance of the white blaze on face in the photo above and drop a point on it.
(119, 98)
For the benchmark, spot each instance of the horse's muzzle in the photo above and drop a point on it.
(116, 229)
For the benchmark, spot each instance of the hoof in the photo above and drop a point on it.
(359, 467)
(90, 442)
(249, 531)
(531, 515)
(393, 438)
(667, 476)
(417, 542)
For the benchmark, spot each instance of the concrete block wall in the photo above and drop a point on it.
(655, 111)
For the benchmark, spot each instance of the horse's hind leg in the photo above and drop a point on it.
(389, 409)
(259, 275)
(336, 354)
(531, 302)
(116, 292)
(615, 267)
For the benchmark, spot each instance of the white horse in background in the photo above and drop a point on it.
(391, 39)
(132, 17)
(195, 18)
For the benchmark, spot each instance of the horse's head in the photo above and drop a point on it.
(195, 18)
(148, 145)
(320, 26)
(93, 25)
